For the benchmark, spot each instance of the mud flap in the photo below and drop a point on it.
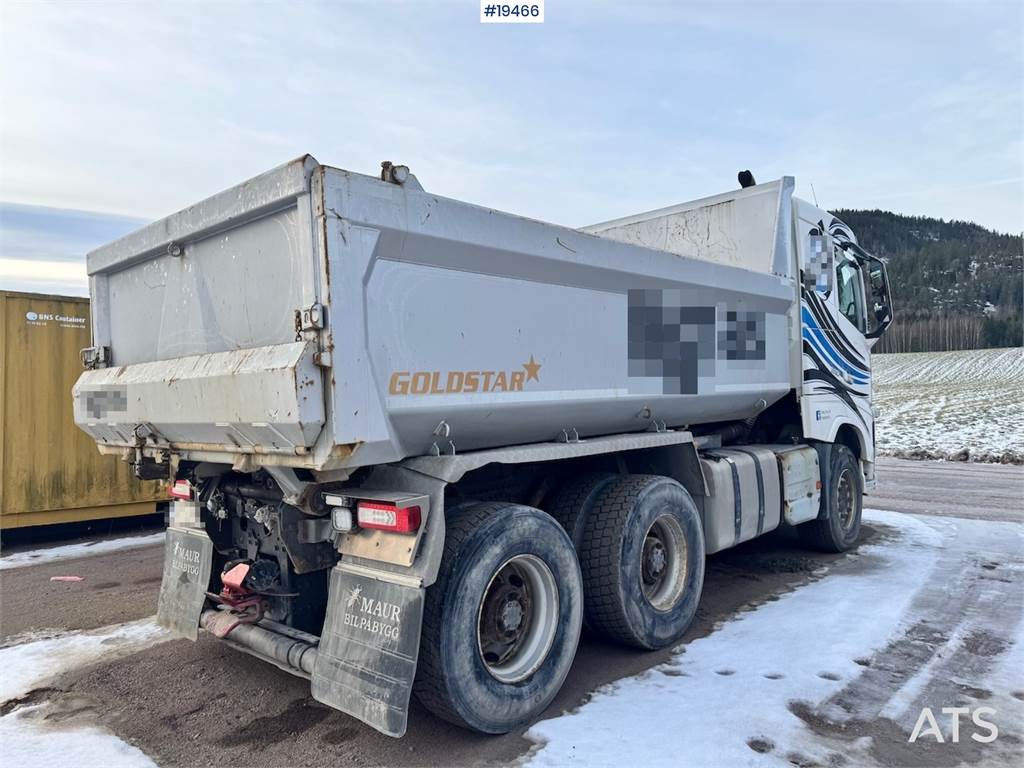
(188, 557)
(368, 650)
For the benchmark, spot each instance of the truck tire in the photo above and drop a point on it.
(838, 529)
(571, 504)
(642, 560)
(502, 621)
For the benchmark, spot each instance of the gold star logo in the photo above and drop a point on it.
(532, 370)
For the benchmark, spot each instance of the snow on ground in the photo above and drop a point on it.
(938, 404)
(28, 743)
(30, 665)
(728, 699)
(27, 739)
(83, 549)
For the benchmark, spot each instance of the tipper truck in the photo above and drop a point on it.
(416, 445)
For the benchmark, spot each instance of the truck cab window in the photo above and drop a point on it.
(850, 292)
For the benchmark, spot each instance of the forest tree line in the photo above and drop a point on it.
(955, 285)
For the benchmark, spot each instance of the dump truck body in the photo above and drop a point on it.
(427, 310)
(412, 440)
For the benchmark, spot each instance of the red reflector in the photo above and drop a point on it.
(182, 489)
(387, 517)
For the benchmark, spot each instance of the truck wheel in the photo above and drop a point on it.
(839, 529)
(571, 504)
(502, 621)
(642, 560)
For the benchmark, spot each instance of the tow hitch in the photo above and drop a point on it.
(240, 604)
(241, 613)
(242, 598)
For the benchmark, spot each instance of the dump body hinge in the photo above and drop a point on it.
(95, 357)
(569, 435)
(309, 322)
(312, 318)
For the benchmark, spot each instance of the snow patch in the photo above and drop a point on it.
(29, 743)
(84, 549)
(726, 699)
(29, 665)
(27, 739)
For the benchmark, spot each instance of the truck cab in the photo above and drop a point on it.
(845, 307)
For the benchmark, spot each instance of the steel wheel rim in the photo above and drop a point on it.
(517, 619)
(844, 500)
(663, 563)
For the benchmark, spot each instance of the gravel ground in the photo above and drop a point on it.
(188, 704)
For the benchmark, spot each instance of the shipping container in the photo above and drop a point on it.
(50, 471)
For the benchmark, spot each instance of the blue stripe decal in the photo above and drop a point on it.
(855, 377)
(814, 334)
(824, 345)
(829, 357)
(811, 322)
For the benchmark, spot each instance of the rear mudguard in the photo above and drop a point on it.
(365, 661)
(370, 644)
(188, 558)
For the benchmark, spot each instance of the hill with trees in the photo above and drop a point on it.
(956, 285)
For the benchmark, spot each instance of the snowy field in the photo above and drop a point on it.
(956, 405)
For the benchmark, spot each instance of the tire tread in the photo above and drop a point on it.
(601, 557)
(429, 685)
(568, 503)
(819, 533)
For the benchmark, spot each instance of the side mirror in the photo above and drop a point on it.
(881, 299)
(878, 282)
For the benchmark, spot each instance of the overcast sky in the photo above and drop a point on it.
(606, 109)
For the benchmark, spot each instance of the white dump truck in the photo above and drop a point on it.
(416, 444)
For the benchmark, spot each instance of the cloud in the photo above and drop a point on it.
(66, 278)
(43, 250)
(601, 111)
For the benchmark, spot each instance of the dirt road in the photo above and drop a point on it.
(190, 704)
(953, 488)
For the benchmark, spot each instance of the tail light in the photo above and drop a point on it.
(384, 516)
(182, 489)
